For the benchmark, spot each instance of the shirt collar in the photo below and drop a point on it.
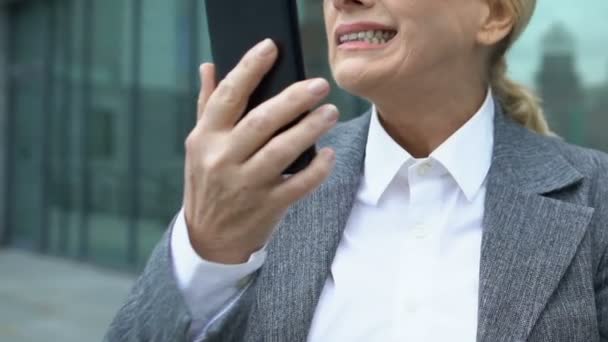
(466, 155)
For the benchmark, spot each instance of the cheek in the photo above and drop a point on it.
(429, 43)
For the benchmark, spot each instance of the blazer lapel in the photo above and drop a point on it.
(529, 238)
(303, 246)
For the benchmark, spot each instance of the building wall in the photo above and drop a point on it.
(3, 116)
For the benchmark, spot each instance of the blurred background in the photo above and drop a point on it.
(96, 98)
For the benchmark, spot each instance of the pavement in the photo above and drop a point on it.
(44, 298)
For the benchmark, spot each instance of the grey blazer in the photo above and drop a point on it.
(544, 255)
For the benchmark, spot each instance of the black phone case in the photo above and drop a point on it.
(235, 26)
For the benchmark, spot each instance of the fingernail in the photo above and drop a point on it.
(318, 87)
(266, 47)
(331, 113)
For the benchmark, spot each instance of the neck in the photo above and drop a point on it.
(421, 119)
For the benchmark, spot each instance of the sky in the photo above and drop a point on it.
(587, 20)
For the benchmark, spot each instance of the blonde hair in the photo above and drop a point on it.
(519, 103)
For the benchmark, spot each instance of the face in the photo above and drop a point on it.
(375, 45)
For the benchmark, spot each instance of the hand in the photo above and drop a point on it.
(235, 193)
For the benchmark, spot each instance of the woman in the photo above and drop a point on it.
(446, 213)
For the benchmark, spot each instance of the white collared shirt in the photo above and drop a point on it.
(407, 267)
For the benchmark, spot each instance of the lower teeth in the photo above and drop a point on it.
(372, 40)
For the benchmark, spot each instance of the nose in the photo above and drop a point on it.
(351, 4)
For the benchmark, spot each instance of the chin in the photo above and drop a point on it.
(356, 79)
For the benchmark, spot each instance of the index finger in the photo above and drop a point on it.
(226, 104)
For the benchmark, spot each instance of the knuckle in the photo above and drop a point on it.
(294, 95)
(248, 62)
(200, 103)
(276, 198)
(301, 186)
(277, 151)
(228, 94)
(316, 123)
(257, 120)
(191, 142)
(214, 162)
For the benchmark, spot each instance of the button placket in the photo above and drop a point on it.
(416, 267)
(420, 231)
(423, 201)
(411, 308)
(424, 169)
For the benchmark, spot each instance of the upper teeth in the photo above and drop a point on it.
(371, 36)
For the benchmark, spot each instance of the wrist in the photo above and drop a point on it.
(210, 250)
(223, 256)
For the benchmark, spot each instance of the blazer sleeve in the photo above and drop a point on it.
(155, 309)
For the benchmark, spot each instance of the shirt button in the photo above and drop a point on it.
(420, 231)
(424, 169)
(411, 308)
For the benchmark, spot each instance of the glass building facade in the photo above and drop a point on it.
(97, 97)
(100, 97)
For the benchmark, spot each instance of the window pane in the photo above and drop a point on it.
(74, 151)
(167, 107)
(65, 171)
(28, 71)
(107, 131)
(59, 223)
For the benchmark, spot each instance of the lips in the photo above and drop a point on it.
(364, 32)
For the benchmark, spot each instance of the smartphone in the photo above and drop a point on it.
(235, 26)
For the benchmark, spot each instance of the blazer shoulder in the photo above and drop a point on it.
(344, 132)
(593, 164)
